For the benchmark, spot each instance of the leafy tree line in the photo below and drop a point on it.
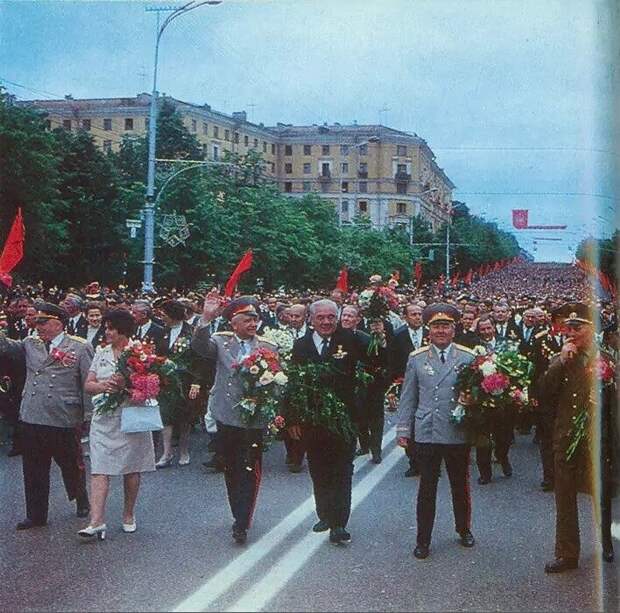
(75, 201)
(602, 253)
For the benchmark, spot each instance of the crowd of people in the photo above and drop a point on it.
(59, 352)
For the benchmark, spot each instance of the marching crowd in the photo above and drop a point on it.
(59, 351)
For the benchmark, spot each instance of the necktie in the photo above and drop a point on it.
(48, 344)
(442, 356)
(528, 331)
(324, 347)
(141, 332)
(242, 350)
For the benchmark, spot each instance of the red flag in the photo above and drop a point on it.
(497, 266)
(13, 250)
(418, 274)
(244, 265)
(343, 281)
(455, 278)
(469, 276)
(520, 218)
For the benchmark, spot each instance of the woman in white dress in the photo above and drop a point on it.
(113, 452)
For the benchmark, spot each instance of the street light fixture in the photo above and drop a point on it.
(149, 207)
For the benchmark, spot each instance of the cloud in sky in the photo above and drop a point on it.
(512, 96)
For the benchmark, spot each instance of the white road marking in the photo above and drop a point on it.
(615, 530)
(274, 581)
(224, 579)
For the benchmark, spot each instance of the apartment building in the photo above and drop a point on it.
(370, 170)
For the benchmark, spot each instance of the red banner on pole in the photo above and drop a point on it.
(13, 250)
(343, 281)
(418, 274)
(244, 265)
(520, 218)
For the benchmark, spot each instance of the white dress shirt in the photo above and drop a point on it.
(415, 336)
(318, 341)
(175, 331)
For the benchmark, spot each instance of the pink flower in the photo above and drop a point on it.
(279, 422)
(495, 384)
(138, 396)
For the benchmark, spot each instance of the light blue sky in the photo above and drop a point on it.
(514, 97)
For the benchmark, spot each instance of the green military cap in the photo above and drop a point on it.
(440, 313)
(244, 305)
(47, 310)
(576, 313)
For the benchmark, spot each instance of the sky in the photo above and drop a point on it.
(514, 97)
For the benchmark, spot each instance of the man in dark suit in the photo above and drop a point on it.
(146, 329)
(464, 334)
(77, 325)
(330, 455)
(268, 316)
(17, 328)
(12, 377)
(407, 338)
(505, 327)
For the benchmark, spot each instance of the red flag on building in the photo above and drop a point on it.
(343, 280)
(244, 265)
(13, 250)
(418, 273)
(520, 218)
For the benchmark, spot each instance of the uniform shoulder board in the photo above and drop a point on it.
(465, 349)
(420, 350)
(79, 339)
(223, 333)
(266, 340)
(540, 334)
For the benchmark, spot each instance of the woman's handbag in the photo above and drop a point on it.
(142, 418)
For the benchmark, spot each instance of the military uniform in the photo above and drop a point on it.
(428, 396)
(51, 412)
(238, 445)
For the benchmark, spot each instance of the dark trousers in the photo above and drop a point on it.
(41, 444)
(295, 450)
(544, 429)
(429, 457)
(606, 539)
(567, 542)
(241, 451)
(371, 419)
(501, 437)
(330, 460)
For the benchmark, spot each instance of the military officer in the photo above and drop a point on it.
(52, 409)
(428, 397)
(239, 445)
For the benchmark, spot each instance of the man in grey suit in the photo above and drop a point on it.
(52, 409)
(428, 397)
(239, 444)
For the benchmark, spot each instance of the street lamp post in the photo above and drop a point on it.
(149, 206)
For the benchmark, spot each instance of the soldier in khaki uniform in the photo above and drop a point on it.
(52, 408)
(239, 445)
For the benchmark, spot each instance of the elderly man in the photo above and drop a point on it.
(76, 324)
(240, 443)
(146, 329)
(51, 411)
(330, 455)
(428, 398)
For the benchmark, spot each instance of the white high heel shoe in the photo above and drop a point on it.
(164, 461)
(91, 532)
(130, 528)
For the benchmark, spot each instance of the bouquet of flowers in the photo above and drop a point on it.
(284, 340)
(377, 304)
(393, 392)
(144, 375)
(602, 370)
(263, 382)
(489, 385)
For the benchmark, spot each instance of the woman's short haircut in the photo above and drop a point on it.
(120, 320)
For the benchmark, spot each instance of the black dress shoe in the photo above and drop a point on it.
(361, 451)
(484, 480)
(338, 536)
(421, 551)
(507, 468)
(559, 565)
(26, 524)
(412, 472)
(214, 465)
(467, 539)
(320, 526)
(376, 458)
(240, 536)
(546, 486)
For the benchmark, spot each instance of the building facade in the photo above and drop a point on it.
(385, 174)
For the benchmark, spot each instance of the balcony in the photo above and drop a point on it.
(325, 177)
(402, 176)
(362, 174)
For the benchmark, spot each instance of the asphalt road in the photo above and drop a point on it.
(182, 556)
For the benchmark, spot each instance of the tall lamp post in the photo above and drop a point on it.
(149, 206)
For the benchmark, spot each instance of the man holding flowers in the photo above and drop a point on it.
(241, 417)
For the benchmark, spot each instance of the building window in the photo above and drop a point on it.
(226, 134)
(107, 146)
(363, 187)
(205, 128)
(273, 149)
(401, 187)
(288, 187)
(401, 208)
(324, 188)
(216, 132)
(345, 187)
(364, 168)
(363, 149)
(194, 125)
(264, 146)
(401, 169)
(344, 206)
(307, 186)
(107, 124)
(48, 124)
(325, 149)
(146, 123)
(85, 124)
(401, 149)
(344, 167)
(307, 149)
(307, 168)
(362, 206)
(128, 123)
(344, 149)
(272, 165)
(246, 140)
(236, 138)
(66, 124)
(325, 169)
(216, 152)
(288, 168)
(288, 149)
(256, 143)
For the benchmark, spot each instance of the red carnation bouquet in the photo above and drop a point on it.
(146, 376)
